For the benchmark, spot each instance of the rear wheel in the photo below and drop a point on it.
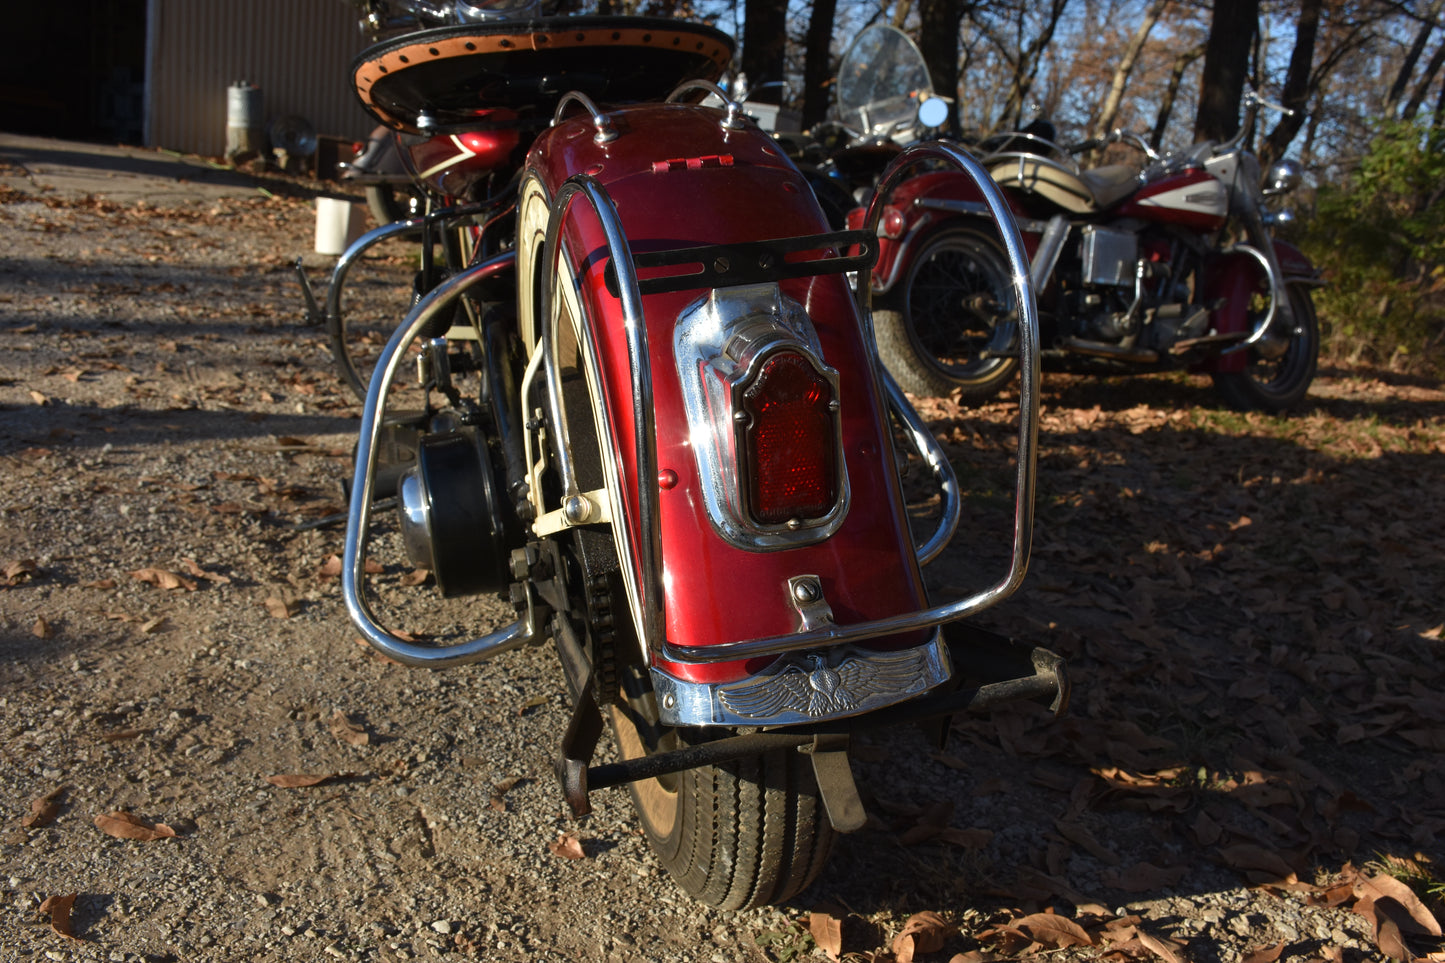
(1275, 380)
(737, 835)
(932, 331)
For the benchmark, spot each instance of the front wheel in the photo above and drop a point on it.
(933, 329)
(736, 835)
(1279, 382)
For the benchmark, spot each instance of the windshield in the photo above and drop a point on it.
(880, 79)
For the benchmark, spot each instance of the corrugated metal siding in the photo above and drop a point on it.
(297, 51)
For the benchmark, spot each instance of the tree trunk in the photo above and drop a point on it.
(818, 63)
(938, 42)
(1296, 92)
(1412, 106)
(1417, 48)
(765, 36)
(1226, 64)
(1109, 112)
(1171, 94)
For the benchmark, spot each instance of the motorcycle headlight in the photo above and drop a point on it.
(1282, 177)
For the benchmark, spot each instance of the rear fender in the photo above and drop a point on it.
(677, 179)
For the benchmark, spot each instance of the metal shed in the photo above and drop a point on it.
(296, 51)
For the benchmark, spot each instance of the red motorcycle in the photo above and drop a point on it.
(655, 423)
(1172, 266)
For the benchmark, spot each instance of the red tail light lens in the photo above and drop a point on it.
(790, 441)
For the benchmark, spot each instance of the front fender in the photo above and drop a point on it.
(1234, 279)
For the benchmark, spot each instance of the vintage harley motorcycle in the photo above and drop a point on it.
(656, 425)
(1171, 266)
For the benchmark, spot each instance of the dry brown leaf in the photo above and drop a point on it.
(827, 931)
(1166, 950)
(1143, 877)
(163, 579)
(567, 846)
(41, 629)
(1383, 886)
(17, 568)
(1053, 931)
(195, 569)
(280, 608)
(1265, 954)
(417, 576)
(330, 567)
(298, 780)
(1251, 856)
(975, 956)
(59, 907)
(123, 825)
(924, 932)
(44, 809)
(101, 583)
(120, 735)
(347, 731)
(1391, 943)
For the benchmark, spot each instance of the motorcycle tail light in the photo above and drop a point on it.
(892, 224)
(789, 441)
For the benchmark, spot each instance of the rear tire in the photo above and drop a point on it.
(1279, 384)
(748, 833)
(932, 328)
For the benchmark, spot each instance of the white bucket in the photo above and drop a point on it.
(338, 223)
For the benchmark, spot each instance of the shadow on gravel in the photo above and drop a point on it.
(1251, 625)
(59, 426)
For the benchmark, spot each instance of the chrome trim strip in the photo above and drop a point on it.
(1027, 224)
(359, 515)
(806, 687)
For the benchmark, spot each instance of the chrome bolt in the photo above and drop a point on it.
(577, 509)
(806, 591)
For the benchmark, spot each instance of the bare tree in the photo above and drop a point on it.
(1297, 83)
(1182, 62)
(1417, 48)
(1109, 111)
(818, 62)
(1226, 65)
(765, 35)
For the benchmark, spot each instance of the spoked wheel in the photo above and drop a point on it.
(738, 835)
(1278, 374)
(932, 331)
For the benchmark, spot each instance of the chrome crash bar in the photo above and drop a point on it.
(358, 522)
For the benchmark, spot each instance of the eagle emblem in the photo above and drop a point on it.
(812, 688)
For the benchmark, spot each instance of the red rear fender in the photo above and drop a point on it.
(679, 180)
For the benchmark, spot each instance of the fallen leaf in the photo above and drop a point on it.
(101, 583)
(44, 809)
(1265, 954)
(347, 731)
(1391, 943)
(41, 629)
(1143, 877)
(532, 703)
(119, 735)
(1251, 856)
(1166, 950)
(567, 846)
(1383, 886)
(161, 578)
(281, 608)
(123, 825)
(924, 932)
(195, 569)
(59, 908)
(330, 567)
(16, 569)
(827, 931)
(416, 577)
(500, 790)
(1053, 931)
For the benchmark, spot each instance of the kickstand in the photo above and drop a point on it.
(578, 745)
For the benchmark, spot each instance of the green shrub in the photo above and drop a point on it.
(1380, 238)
